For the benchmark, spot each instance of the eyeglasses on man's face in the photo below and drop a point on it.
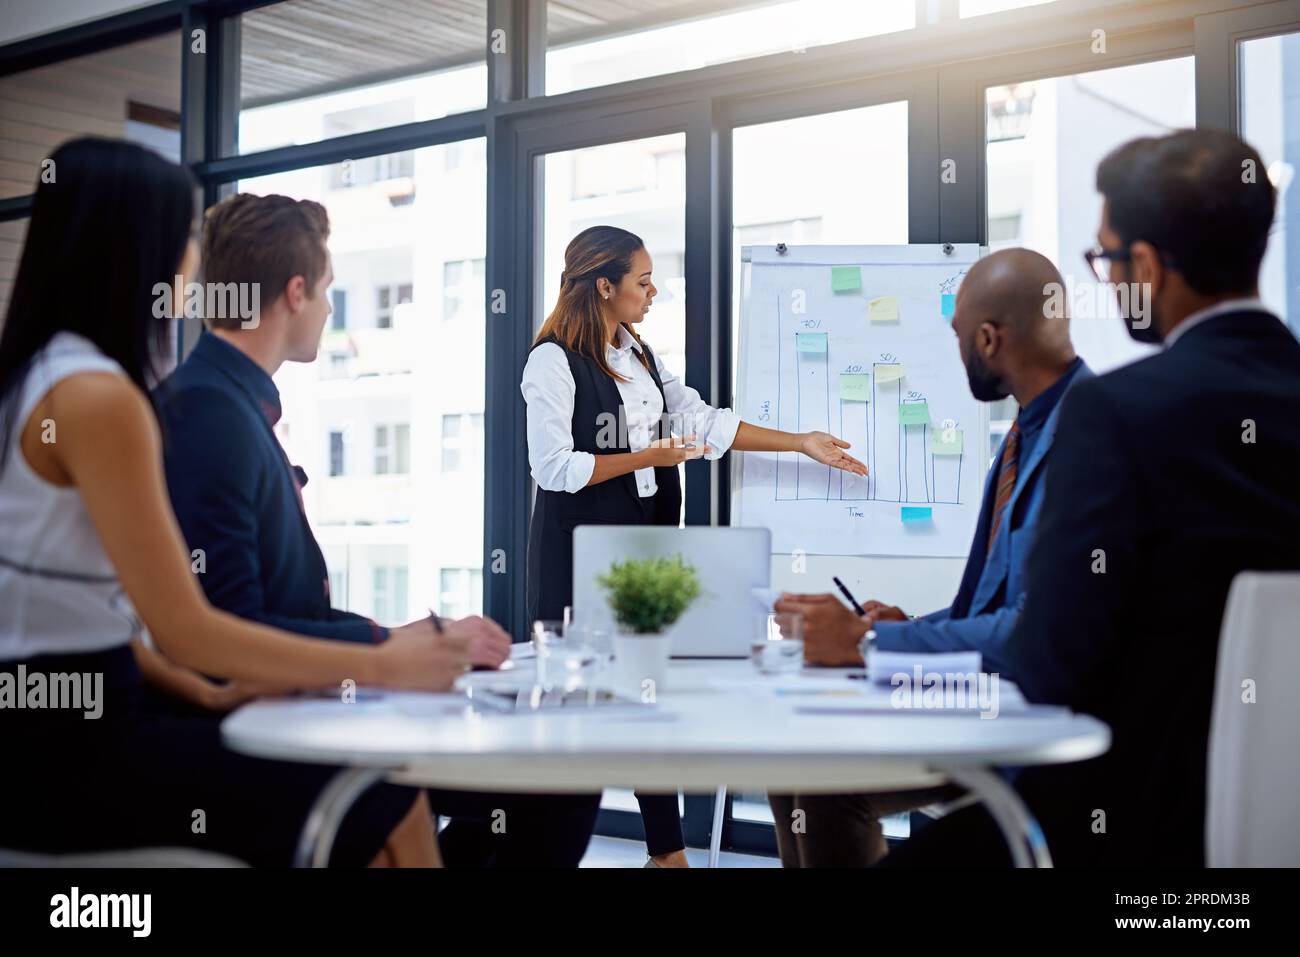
(1099, 257)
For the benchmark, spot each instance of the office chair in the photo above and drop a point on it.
(1253, 773)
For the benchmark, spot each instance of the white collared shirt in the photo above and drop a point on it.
(1218, 309)
(549, 390)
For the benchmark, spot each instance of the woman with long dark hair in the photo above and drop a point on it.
(589, 368)
(90, 554)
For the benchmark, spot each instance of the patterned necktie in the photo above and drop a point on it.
(1006, 480)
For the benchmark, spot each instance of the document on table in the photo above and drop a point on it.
(883, 665)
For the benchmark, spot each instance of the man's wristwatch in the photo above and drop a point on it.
(868, 641)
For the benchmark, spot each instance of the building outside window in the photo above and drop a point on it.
(336, 453)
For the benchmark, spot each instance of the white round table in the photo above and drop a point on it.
(716, 724)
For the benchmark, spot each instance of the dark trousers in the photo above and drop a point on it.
(514, 830)
(842, 830)
(663, 823)
(965, 838)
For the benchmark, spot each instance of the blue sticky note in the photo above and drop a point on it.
(810, 341)
(917, 513)
(948, 304)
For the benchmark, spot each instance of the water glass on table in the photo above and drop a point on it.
(564, 662)
(777, 647)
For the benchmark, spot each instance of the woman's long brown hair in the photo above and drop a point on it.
(576, 322)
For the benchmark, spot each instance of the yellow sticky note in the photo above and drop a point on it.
(890, 373)
(883, 309)
(855, 387)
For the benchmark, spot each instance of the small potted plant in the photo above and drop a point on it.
(647, 595)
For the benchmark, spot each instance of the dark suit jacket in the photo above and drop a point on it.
(236, 497)
(1179, 471)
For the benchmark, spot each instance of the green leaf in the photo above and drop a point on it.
(649, 594)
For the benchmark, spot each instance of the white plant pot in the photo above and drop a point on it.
(641, 664)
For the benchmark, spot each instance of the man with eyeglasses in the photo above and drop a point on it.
(1170, 476)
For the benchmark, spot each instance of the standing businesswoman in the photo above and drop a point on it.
(88, 542)
(587, 369)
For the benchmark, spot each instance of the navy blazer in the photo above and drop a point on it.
(237, 498)
(1173, 475)
(992, 593)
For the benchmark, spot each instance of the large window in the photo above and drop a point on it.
(462, 284)
(366, 418)
(1270, 121)
(832, 178)
(460, 591)
(591, 45)
(977, 8)
(462, 443)
(315, 69)
(129, 92)
(1044, 141)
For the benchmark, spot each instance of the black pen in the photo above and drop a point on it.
(435, 621)
(849, 595)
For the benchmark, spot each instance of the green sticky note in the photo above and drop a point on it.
(914, 413)
(855, 387)
(917, 513)
(946, 442)
(948, 304)
(810, 341)
(883, 309)
(890, 373)
(846, 278)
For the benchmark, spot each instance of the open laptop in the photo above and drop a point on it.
(734, 566)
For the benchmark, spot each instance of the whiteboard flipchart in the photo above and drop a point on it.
(857, 341)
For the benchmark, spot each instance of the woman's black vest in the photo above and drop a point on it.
(599, 426)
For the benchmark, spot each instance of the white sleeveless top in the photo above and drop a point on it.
(59, 593)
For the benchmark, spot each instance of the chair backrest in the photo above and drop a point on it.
(1253, 779)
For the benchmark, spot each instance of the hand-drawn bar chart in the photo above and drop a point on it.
(858, 342)
(909, 460)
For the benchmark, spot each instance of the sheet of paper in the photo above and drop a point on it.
(914, 413)
(855, 387)
(810, 341)
(883, 309)
(882, 665)
(889, 373)
(946, 442)
(846, 278)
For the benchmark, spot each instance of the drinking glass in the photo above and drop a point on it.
(777, 646)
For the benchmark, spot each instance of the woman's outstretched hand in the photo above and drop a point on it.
(827, 449)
